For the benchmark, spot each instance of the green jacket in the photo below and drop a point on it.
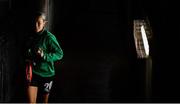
(45, 40)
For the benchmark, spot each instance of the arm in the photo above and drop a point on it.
(55, 52)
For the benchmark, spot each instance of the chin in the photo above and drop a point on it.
(37, 31)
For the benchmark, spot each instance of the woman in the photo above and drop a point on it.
(43, 50)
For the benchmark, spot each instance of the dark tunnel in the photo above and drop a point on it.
(100, 62)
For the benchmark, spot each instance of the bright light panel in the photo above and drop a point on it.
(145, 40)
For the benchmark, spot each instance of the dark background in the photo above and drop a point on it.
(99, 63)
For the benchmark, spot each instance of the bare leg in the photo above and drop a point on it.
(32, 94)
(45, 98)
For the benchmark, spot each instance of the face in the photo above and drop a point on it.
(40, 23)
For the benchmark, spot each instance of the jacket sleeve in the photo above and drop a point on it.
(55, 52)
(27, 49)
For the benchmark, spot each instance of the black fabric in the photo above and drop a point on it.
(44, 84)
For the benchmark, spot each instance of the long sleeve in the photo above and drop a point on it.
(47, 42)
(55, 52)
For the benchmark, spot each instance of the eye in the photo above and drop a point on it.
(38, 23)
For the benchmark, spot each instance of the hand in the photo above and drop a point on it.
(40, 52)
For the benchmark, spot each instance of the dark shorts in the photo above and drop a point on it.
(44, 84)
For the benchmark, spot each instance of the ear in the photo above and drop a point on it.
(45, 22)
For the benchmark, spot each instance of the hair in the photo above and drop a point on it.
(38, 14)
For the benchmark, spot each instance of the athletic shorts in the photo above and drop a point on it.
(44, 84)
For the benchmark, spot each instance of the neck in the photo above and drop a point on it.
(40, 32)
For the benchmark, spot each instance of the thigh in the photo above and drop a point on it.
(46, 85)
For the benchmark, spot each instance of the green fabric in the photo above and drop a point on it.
(52, 52)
